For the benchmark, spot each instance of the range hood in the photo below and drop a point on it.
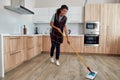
(18, 6)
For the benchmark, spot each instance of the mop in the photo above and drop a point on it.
(92, 74)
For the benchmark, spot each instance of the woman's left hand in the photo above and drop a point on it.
(68, 41)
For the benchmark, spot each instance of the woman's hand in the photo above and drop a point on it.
(68, 42)
(58, 30)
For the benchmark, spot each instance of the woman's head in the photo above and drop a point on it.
(63, 10)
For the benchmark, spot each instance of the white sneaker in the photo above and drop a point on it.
(52, 60)
(57, 62)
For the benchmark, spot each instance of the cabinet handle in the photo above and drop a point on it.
(30, 37)
(15, 38)
(15, 52)
(30, 48)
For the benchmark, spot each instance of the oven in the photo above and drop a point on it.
(91, 40)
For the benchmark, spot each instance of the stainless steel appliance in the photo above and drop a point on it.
(91, 40)
(92, 27)
(91, 33)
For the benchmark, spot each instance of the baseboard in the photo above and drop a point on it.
(101, 54)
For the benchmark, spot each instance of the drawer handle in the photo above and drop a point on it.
(30, 48)
(15, 52)
(15, 38)
(30, 37)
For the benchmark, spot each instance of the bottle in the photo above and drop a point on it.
(36, 30)
(24, 30)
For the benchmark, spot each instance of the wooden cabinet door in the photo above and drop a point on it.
(6, 61)
(40, 43)
(109, 20)
(46, 43)
(76, 42)
(6, 45)
(30, 47)
(30, 53)
(30, 42)
(92, 12)
(15, 44)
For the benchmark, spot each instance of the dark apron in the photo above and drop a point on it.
(56, 36)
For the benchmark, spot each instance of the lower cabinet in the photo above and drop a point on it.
(46, 43)
(7, 61)
(20, 49)
(30, 53)
(76, 42)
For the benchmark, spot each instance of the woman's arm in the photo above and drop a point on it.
(66, 33)
(52, 25)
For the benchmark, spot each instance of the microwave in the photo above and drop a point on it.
(92, 27)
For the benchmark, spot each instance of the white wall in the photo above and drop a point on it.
(75, 28)
(11, 23)
(57, 3)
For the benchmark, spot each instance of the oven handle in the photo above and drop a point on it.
(91, 35)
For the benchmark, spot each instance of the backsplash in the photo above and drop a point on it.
(75, 28)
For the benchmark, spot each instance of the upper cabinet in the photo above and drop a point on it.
(92, 12)
(44, 15)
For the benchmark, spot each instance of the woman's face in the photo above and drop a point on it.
(63, 12)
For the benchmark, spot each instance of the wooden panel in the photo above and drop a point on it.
(30, 53)
(92, 12)
(15, 44)
(40, 43)
(6, 45)
(30, 42)
(6, 62)
(103, 28)
(76, 42)
(15, 59)
(46, 43)
(24, 44)
(23, 55)
(111, 33)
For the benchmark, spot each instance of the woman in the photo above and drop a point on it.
(58, 24)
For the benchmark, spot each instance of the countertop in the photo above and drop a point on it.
(5, 35)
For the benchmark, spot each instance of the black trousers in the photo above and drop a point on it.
(53, 46)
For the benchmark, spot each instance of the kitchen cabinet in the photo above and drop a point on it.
(92, 12)
(14, 42)
(76, 42)
(107, 15)
(46, 43)
(44, 15)
(30, 47)
(38, 45)
(41, 15)
(12, 52)
(18, 49)
(24, 49)
(111, 24)
(6, 61)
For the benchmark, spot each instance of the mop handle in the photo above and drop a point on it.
(80, 57)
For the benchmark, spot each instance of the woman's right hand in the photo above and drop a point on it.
(58, 30)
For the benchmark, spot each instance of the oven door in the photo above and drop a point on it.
(91, 40)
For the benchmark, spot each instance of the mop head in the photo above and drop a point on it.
(91, 75)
